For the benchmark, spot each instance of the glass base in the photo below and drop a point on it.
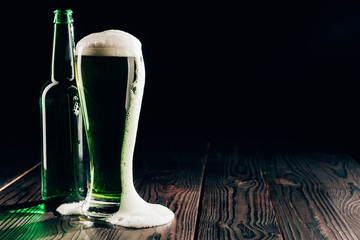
(99, 209)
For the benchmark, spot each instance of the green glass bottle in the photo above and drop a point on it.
(61, 119)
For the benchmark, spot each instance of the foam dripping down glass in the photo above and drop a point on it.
(110, 75)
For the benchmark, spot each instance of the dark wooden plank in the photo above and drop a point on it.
(304, 205)
(16, 158)
(165, 174)
(173, 177)
(236, 203)
(17, 202)
(339, 175)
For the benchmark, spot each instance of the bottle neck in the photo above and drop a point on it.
(62, 64)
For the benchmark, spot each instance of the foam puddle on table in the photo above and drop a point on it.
(73, 208)
(146, 215)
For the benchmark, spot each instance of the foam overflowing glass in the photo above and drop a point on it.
(110, 76)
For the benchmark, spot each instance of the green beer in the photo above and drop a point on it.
(110, 75)
(104, 80)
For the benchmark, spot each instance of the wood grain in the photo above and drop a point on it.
(228, 191)
(339, 175)
(173, 176)
(303, 203)
(235, 203)
(165, 174)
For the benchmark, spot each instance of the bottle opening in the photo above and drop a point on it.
(63, 16)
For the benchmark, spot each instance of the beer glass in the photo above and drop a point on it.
(110, 76)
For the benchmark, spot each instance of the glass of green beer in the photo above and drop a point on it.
(110, 77)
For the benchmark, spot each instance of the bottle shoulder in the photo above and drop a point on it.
(58, 86)
(57, 90)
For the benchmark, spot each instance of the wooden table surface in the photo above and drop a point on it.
(217, 190)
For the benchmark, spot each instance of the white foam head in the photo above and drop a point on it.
(109, 43)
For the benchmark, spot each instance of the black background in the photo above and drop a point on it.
(245, 70)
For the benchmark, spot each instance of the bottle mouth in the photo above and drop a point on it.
(63, 16)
